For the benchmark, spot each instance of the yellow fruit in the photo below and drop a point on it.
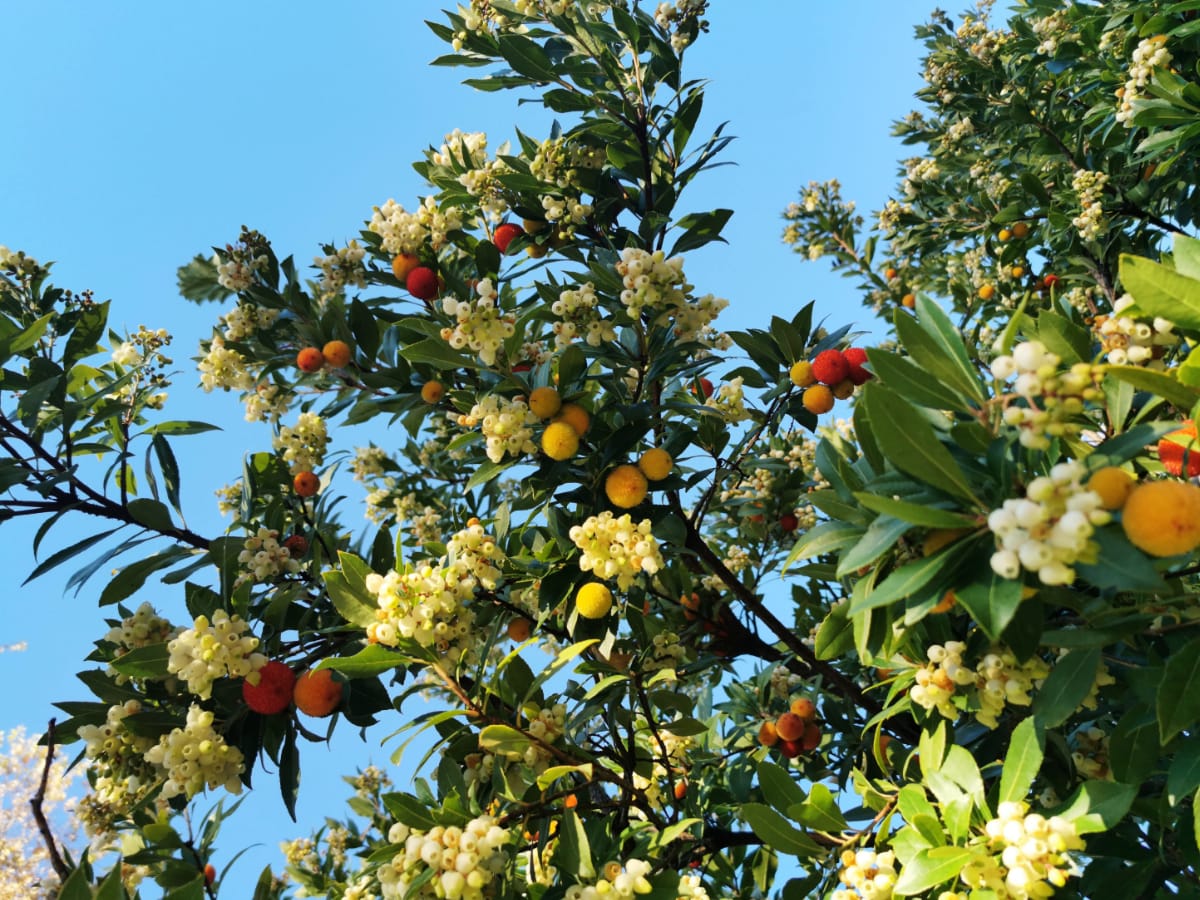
(987, 292)
(316, 693)
(1018, 271)
(817, 399)
(1113, 484)
(593, 600)
(432, 392)
(767, 735)
(536, 251)
(1004, 234)
(1020, 229)
(656, 463)
(625, 486)
(801, 373)
(559, 441)
(575, 416)
(1162, 518)
(908, 301)
(544, 402)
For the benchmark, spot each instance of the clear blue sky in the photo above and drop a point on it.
(140, 134)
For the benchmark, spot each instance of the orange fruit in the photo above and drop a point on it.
(656, 463)
(310, 360)
(519, 629)
(317, 694)
(337, 353)
(271, 691)
(1004, 234)
(789, 727)
(1173, 448)
(505, 234)
(817, 399)
(297, 545)
(210, 874)
(575, 416)
(767, 735)
(544, 402)
(908, 301)
(680, 789)
(306, 484)
(432, 392)
(804, 708)
(570, 801)
(559, 441)
(625, 486)
(987, 292)
(1113, 484)
(1020, 229)
(890, 273)
(403, 264)
(843, 389)
(812, 737)
(1162, 518)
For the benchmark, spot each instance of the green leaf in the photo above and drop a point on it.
(936, 346)
(371, 660)
(76, 887)
(778, 833)
(1160, 384)
(198, 280)
(878, 539)
(1119, 564)
(1099, 805)
(900, 584)
(1022, 761)
(144, 662)
(992, 602)
(1064, 338)
(437, 353)
(700, 229)
(1159, 290)
(1179, 691)
(352, 605)
(1187, 256)
(916, 384)
(932, 867)
(289, 772)
(130, 578)
(526, 57)
(1069, 683)
(28, 336)
(504, 740)
(574, 852)
(408, 809)
(150, 513)
(916, 513)
(1183, 775)
(828, 537)
(66, 553)
(180, 427)
(552, 774)
(819, 811)
(911, 444)
(778, 786)
(87, 333)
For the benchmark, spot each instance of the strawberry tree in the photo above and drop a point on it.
(979, 677)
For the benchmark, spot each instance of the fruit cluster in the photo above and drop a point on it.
(829, 376)
(795, 732)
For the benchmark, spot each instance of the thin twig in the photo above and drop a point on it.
(35, 804)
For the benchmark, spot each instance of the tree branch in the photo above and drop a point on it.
(39, 816)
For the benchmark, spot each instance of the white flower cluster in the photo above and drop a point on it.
(618, 881)
(210, 650)
(464, 860)
(867, 875)
(918, 171)
(480, 324)
(578, 313)
(1049, 529)
(1089, 188)
(507, 426)
(341, 268)
(669, 16)
(195, 757)
(369, 462)
(730, 401)
(1052, 398)
(18, 261)
(546, 724)
(427, 605)
(229, 498)
(617, 548)
(656, 286)
(558, 161)
(245, 319)
(666, 652)
(141, 629)
(267, 402)
(1003, 680)
(144, 346)
(474, 550)
(405, 232)
(1091, 753)
(1052, 30)
(304, 445)
(1034, 854)
(121, 776)
(1128, 341)
(937, 681)
(1151, 53)
(783, 681)
(264, 558)
(224, 368)
(466, 154)
(236, 272)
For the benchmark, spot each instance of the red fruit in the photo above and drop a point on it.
(788, 522)
(273, 693)
(505, 234)
(789, 727)
(790, 749)
(297, 545)
(1049, 281)
(422, 283)
(1172, 449)
(830, 367)
(856, 357)
(706, 388)
(210, 874)
(812, 737)
(310, 360)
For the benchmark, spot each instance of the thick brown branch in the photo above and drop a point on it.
(39, 816)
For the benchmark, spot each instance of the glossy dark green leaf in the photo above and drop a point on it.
(1067, 686)
(66, 553)
(150, 513)
(932, 867)
(1179, 691)
(992, 602)
(778, 833)
(1022, 761)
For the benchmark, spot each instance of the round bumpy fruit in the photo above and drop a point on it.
(593, 600)
(908, 301)
(575, 416)
(1113, 484)
(812, 737)
(801, 373)
(273, 693)
(857, 358)
(520, 629)
(789, 522)
(889, 273)
(432, 392)
(559, 441)
(1020, 229)
(422, 283)
(790, 749)
(544, 402)
(843, 390)
(625, 486)
(789, 727)
(505, 234)
(296, 545)
(767, 735)
(316, 694)
(309, 360)
(987, 292)
(306, 484)
(1004, 234)
(817, 399)
(830, 366)
(337, 353)
(804, 708)
(1162, 518)
(706, 387)
(210, 874)
(656, 463)
(1180, 446)
(403, 264)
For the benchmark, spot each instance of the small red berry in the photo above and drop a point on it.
(422, 283)
(788, 522)
(790, 749)
(830, 367)
(297, 545)
(706, 387)
(856, 357)
(505, 234)
(210, 874)
(1049, 281)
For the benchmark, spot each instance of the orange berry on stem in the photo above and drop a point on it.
(817, 399)
(403, 264)
(575, 416)
(789, 727)
(1162, 518)
(337, 353)
(306, 484)
(804, 708)
(908, 301)
(317, 694)
(625, 486)
(520, 629)
(210, 874)
(297, 545)
(310, 360)
(843, 390)
(767, 735)
(432, 392)
(680, 789)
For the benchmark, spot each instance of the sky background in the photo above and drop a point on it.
(139, 134)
